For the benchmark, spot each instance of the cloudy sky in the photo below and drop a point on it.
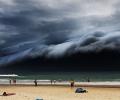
(52, 28)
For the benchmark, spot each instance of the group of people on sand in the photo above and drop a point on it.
(53, 81)
(36, 82)
(72, 82)
(12, 81)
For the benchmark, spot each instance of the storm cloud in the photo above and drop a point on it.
(55, 28)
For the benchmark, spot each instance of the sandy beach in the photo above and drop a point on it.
(59, 93)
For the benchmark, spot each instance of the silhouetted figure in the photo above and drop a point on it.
(72, 83)
(10, 82)
(54, 81)
(88, 80)
(35, 82)
(51, 81)
(14, 81)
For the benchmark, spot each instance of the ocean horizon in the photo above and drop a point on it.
(94, 76)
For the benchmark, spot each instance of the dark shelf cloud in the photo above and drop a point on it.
(55, 29)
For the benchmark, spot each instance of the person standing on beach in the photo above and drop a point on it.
(54, 82)
(88, 80)
(51, 81)
(72, 83)
(35, 82)
(14, 81)
(10, 81)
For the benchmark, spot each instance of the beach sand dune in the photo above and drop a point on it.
(59, 93)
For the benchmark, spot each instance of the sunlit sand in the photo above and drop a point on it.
(59, 93)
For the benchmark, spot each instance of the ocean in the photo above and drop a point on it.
(46, 77)
(77, 76)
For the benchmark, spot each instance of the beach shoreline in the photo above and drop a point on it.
(67, 84)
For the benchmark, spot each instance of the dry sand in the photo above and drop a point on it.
(59, 93)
